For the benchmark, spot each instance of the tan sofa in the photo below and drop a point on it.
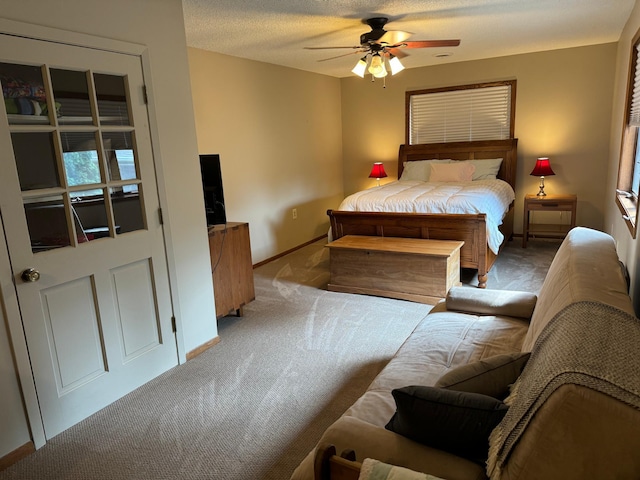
(576, 432)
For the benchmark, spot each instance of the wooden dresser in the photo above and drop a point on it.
(231, 266)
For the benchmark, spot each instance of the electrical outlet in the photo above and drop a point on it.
(294, 213)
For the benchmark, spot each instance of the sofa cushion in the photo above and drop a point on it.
(456, 422)
(490, 376)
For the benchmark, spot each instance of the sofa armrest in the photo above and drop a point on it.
(371, 441)
(491, 302)
(578, 433)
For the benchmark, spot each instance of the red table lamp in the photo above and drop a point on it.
(542, 169)
(377, 172)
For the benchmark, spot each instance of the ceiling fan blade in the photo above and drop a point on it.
(393, 37)
(397, 52)
(329, 48)
(338, 56)
(429, 43)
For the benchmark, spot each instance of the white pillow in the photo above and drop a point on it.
(485, 169)
(452, 172)
(419, 170)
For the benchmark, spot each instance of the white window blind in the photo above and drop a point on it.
(461, 115)
(634, 110)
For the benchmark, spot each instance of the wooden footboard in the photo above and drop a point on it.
(469, 228)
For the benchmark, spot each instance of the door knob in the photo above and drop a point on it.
(30, 275)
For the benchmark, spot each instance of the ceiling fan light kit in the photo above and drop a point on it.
(382, 48)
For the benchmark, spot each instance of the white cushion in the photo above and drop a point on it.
(419, 170)
(452, 172)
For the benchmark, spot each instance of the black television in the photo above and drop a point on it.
(212, 188)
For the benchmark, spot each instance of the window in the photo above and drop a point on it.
(462, 113)
(628, 187)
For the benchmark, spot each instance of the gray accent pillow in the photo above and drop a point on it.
(490, 376)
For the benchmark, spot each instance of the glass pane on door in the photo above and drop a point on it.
(112, 99)
(24, 94)
(80, 156)
(90, 213)
(127, 208)
(119, 152)
(71, 91)
(47, 222)
(35, 160)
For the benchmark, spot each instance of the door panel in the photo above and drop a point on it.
(136, 309)
(79, 202)
(73, 328)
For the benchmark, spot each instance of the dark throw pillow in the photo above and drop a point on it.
(490, 376)
(456, 422)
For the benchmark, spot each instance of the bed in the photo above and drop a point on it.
(471, 228)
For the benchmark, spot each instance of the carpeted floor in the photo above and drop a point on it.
(251, 407)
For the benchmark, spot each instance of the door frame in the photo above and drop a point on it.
(8, 293)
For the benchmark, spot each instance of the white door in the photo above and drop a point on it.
(79, 203)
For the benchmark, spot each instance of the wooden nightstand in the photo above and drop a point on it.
(550, 203)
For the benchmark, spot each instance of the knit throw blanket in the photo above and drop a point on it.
(587, 343)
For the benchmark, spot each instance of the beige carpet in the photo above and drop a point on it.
(251, 407)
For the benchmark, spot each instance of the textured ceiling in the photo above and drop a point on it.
(276, 31)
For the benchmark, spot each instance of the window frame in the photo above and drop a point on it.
(626, 199)
(512, 112)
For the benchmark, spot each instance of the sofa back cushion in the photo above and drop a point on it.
(586, 267)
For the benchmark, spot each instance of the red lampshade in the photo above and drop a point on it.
(542, 168)
(377, 171)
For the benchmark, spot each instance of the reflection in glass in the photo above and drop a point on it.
(35, 160)
(71, 91)
(80, 156)
(91, 215)
(112, 99)
(120, 156)
(47, 222)
(127, 209)
(24, 94)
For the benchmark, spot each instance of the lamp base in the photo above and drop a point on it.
(541, 191)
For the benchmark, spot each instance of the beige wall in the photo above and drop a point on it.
(627, 246)
(563, 111)
(278, 133)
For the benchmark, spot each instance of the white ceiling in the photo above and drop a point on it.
(276, 31)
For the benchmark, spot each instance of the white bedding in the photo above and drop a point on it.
(492, 197)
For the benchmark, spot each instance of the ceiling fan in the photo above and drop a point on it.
(380, 45)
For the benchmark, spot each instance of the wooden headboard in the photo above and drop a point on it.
(485, 149)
